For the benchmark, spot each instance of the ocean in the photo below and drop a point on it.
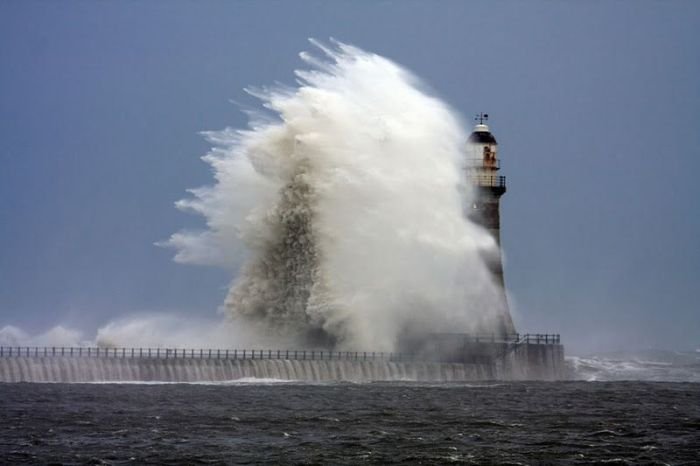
(281, 422)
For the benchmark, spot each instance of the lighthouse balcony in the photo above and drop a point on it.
(475, 164)
(493, 181)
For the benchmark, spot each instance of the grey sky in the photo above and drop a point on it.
(596, 106)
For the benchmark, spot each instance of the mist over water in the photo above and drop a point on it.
(343, 210)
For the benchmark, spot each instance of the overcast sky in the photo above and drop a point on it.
(596, 106)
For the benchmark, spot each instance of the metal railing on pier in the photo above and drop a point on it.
(314, 355)
(530, 338)
(187, 353)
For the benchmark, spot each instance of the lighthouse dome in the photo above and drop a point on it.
(482, 135)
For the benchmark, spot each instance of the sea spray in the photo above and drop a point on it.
(344, 214)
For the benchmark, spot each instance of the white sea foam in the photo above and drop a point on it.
(241, 381)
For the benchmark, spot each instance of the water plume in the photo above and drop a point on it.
(344, 211)
(58, 335)
(163, 330)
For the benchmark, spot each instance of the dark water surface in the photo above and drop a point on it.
(500, 423)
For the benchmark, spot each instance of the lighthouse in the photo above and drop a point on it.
(482, 170)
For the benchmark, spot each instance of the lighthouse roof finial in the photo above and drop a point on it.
(481, 133)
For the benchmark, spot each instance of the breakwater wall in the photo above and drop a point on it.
(497, 361)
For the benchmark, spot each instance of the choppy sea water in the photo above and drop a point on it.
(253, 421)
(648, 365)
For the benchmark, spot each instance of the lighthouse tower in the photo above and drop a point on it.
(483, 167)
